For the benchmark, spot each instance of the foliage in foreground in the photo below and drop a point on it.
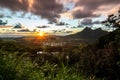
(14, 67)
(102, 59)
(81, 62)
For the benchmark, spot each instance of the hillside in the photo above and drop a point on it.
(104, 56)
(97, 61)
(88, 33)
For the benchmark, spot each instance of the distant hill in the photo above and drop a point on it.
(104, 56)
(88, 33)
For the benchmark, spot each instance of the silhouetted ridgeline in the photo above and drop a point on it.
(88, 33)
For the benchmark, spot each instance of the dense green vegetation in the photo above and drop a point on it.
(102, 58)
(17, 63)
(32, 59)
(98, 61)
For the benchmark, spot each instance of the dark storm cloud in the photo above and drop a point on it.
(97, 22)
(86, 22)
(50, 9)
(90, 6)
(96, 3)
(89, 22)
(84, 14)
(47, 9)
(15, 5)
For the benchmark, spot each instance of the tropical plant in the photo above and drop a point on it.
(113, 20)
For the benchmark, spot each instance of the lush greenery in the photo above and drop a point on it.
(16, 63)
(19, 60)
(46, 59)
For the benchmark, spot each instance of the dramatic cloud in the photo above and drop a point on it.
(89, 22)
(89, 7)
(84, 14)
(15, 5)
(86, 22)
(92, 4)
(97, 22)
(49, 9)
(53, 9)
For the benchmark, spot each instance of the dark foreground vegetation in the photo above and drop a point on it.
(30, 59)
(54, 59)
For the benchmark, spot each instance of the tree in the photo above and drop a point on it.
(19, 25)
(113, 20)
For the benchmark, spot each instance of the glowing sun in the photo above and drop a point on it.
(41, 34)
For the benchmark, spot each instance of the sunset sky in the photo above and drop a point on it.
(32, 13)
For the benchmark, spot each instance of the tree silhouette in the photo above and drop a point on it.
(18, 25)
(113, 20)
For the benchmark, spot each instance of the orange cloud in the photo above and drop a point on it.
(31, 3)
(67, 15)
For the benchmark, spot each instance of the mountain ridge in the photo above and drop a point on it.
(88, 33)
